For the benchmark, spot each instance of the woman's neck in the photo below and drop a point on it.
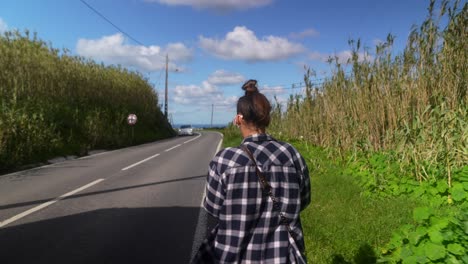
(248, 131)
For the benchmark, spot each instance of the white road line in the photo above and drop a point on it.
(219, 145)
(199, 135)
(44, 205)
(154, 156)
(176, 146)
(140, 162)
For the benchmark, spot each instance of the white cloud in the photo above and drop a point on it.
(317, 56)
(222, 77)
(205, 94)
(243, 44)
(343, 56)
(219, 5)
(113, 49)
(3, 26)
(273, 90)
(208, 92)
(306, 33)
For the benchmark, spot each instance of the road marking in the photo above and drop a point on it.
(219, 145)
(176, 146)
(44, 205)
(199, 135)
(140, 162)
(154, 156)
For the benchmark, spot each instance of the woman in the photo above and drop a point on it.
(256, 192)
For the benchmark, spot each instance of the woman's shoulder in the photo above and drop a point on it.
(286, 146)
(289, 150)
(228, 153)
(230, 157)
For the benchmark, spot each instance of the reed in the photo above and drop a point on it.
(414, 102)
(53, 103)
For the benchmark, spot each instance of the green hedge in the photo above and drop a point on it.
(52, 103)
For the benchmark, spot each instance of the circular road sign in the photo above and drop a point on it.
(132, 119)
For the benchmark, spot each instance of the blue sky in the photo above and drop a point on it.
(215, 45)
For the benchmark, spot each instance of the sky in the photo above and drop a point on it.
(214, 46)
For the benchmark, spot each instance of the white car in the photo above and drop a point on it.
(186, 130)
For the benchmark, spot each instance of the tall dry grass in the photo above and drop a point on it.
(53, 103)
(414, 102)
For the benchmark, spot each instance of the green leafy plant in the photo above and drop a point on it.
(433, 239)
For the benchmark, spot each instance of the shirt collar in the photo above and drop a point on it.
(257, 138)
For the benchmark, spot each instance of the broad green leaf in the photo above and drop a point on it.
(453, 260)
(458, 193)
(418, 192)
(411, 260)
(420, 214)
(442, 187)
(433, 191)
(395, 241)
(436, 236)
(465, 185)
(415, 237)
(420, 249)
(405, 229)
(439, 223)
(465, 258)
(434, 252)
(456, 249)
(448, 235)
(406, 252)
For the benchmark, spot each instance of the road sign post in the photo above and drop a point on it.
(131, 120)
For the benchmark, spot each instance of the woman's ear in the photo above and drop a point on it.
(236, 121)
(239, 119)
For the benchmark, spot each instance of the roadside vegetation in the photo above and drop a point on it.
(386, 140)
(341, 225)
(55, 104)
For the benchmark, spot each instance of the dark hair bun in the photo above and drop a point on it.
(250, 87)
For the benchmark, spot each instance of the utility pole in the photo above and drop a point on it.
(165, 92)
(212, 108)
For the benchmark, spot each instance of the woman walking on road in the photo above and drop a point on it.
(256, 192)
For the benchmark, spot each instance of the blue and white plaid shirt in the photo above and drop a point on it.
(249, 229)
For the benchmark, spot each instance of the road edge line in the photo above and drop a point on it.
(199, 135)
(46, 204)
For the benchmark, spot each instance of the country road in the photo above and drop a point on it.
(134, 205)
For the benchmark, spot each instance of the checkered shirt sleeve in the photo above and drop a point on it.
(248, 228)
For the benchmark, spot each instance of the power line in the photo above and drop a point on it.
(110, 22)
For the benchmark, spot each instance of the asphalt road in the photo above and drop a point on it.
(134, 205)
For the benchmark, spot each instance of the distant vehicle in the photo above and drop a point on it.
(186, 130)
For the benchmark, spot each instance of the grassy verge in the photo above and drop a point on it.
(341, 225)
